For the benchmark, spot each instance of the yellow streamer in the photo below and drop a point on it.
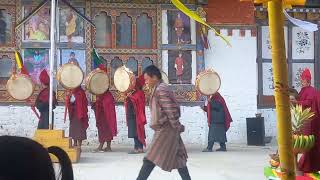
(18, 59)
(196, 17)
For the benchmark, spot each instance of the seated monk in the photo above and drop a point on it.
(308, 97)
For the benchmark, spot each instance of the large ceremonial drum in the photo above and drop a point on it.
(20, 87)
(70, 76)
(124, 79)
(208, 82)
(97, 82)
(165, 78)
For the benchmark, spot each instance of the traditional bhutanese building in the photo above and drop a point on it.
(137, 33)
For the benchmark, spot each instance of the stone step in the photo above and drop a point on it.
(56, 138)
(62, 142)
(49, 134)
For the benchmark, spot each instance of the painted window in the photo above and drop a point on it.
(180, 67)
(75, 56)
(71, 27)
(132, 64)
(300, 55)
(124, 31)
(103, 37)
(302, 44)
(37, 28)
(178, 33)
(266, 43)
(179, 28)
(35, 60)
(144, 31)
(5, 67)
(146, 62)
(5, 27)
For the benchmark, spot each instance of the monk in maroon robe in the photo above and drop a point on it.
(42, 101)
(136, 116)
(106, 120)
(310, 161)
(78, 115)
(219, 120)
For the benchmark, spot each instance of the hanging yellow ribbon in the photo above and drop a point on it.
(196, 17)
(18, 59)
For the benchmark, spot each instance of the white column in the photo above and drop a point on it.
(52, 56)
(164, 27)
(194, 66)
(165, 66)
(193, 31)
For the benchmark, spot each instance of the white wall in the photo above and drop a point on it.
(20, 121)
(270, 122)
(237, 68)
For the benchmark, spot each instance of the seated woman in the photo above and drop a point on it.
(23, 158)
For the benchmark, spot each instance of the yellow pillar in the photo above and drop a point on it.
(280, 71)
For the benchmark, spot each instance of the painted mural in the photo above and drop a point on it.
(38, 27)
(35, 60)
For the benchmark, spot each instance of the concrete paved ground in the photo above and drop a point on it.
(240, 162)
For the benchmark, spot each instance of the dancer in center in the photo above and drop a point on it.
(136, 117)
(106, 120)
(167, 149)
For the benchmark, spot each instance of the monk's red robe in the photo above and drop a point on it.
(139, 103)
(78, 111)
(309, 97)
(42, 101)
(106, 120)
(217, 97)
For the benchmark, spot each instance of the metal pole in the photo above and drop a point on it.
(280, 71)
(52, 57)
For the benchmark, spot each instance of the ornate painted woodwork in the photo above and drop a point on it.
(139, 54)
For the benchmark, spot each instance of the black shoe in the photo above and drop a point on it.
(136, 151)
(207, 150)
(222, 149)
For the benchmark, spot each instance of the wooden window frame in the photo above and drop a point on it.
(152, 30)
(11, 11)
(133, 26)
(265, 101)
(95, 32)
(134, 14)
(169, 46)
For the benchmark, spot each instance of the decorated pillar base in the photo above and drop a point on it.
(56, 138)
(275, 174)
